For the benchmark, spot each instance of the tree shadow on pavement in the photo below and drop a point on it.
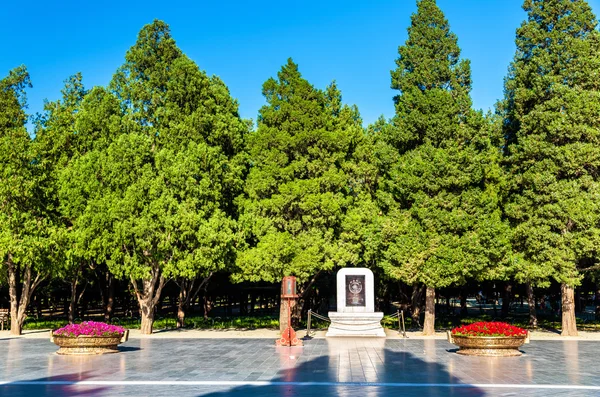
(50, 386)
(356, 372)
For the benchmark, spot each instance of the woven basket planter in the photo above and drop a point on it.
(491, 346)
(88, 345)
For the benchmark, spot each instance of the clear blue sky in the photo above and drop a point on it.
(245, 42)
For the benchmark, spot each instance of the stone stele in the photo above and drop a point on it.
(355, 315)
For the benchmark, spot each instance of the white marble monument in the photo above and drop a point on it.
(355, 315)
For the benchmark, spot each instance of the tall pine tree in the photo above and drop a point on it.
(441, 194)
(297, 191)
(551, 108)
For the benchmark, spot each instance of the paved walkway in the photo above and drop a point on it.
(323, 367)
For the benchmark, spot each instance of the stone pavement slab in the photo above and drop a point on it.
(337, 367)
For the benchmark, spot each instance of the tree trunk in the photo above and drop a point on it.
(180, 315)
(597, 303)
(188, 294)
(464, 311)
(228, 305)
(110, 298)
(182, 302)
(206, 306)
(19, 299)
(38, 306)
(429, 323)
(65, 304)
(305, 295)
(13, 274)
(243, 304)
(506, 299)
(74, 298)
(83, 307)
(148, 297)
(569, 326)
(147, 308)
(532, 308)
(73, 302)
(387, 302)
(415, 302)
(304, 305)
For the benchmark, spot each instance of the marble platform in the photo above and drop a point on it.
(355, 315)
(355, 324)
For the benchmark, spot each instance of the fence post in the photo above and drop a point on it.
(308, 323)
(403, 327)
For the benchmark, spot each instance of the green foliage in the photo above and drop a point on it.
(154, 196)
(441, 185)
(298, 189)
(34, 324)
(56, 144)
(55, 137)
(550, 110)
(17, 182)
(434, 83)
(23, 222)
(360, 237)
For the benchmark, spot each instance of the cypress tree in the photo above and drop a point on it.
(441, 194)
(55, 145)
(24, 224)
(297, 191)
(156, 202)
(552, 128)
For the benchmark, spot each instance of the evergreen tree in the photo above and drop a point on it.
(157, 202)
(551, 107)
(441, 194)
(360, 237)
(55, 145)
(24, 226)
(298, 189)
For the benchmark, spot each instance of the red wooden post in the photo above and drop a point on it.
(288, 292)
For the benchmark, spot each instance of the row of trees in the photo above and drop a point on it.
(156, 178)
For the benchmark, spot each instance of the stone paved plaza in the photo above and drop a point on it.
(323, 367)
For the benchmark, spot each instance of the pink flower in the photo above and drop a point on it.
(90, 328)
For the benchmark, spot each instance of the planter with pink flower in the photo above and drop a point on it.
(89, 337)
(489, 339)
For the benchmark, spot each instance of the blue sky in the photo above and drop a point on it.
(246, 42)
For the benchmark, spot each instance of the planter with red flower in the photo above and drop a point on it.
(488, 339)
(89, 337)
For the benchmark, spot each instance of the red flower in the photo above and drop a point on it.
(486, 328)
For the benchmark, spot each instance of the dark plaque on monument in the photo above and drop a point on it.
(355, 290)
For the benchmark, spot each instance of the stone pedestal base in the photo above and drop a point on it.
(355, 324)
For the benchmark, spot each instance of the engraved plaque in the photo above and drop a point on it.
(355, 290)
